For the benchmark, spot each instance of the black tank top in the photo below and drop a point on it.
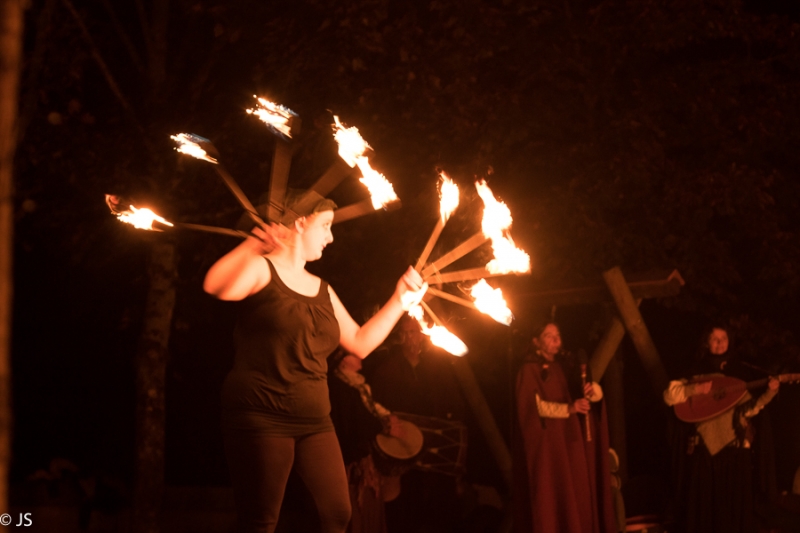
(279, 379)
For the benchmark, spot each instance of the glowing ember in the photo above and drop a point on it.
(439, 335)
(448, 196)
(188, 143)
(275, 116)
(141, 218)
(490, 301)
(496, 223)
(351, 149)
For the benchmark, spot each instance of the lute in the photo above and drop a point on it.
(725, 393)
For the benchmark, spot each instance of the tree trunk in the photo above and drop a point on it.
(151, 364)
(10, 61)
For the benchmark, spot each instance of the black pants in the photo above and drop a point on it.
(260, 466)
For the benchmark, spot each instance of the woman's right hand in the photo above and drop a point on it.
(703, 387)
(268, 238)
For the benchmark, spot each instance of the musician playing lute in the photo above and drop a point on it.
(714, 458)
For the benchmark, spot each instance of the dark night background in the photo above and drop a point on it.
(648, 135)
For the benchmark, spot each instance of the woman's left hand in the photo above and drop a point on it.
(773, 384)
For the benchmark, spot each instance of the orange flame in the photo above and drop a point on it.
(274, 115)
(439, 335)
(490, 301)
(141, 218)
(187, 146)
(508, 258)
(496, 223)
(351, 149)
(448, 197)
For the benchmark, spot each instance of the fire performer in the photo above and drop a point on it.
(275, 399)
(562, 481)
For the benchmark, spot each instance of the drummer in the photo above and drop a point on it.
(358, 419)
(415, 378)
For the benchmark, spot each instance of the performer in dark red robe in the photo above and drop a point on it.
(562, 480)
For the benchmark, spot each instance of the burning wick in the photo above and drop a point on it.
(351, 149)
(188, 143)
(275, 116)
(490, 301)
(439, 335)
(448, 202)
(495, 225)
(138, 218)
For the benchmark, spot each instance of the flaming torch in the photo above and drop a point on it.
(448, 202)
(490, 301)
(487, 300)
(439, 335)
(352, 148)
(495, 225)
(496, 222)
(142, 219)
(189, 144)
(198, 147)
(277, 117)
(145, 219)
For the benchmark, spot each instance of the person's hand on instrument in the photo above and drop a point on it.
(588, 390)
(581, 406)
(773, 384)
(703, 387)
(396, 429)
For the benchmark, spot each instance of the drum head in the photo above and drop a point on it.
(404, 447)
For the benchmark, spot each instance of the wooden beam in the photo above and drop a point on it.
(606, 348)
(483, 415)
(634, 324)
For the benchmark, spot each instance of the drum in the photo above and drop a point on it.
(395, 455)
(444, 450)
